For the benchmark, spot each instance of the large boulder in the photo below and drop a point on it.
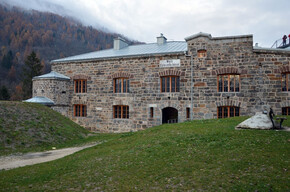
(258, 121)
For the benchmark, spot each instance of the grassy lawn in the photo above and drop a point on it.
(204, 155)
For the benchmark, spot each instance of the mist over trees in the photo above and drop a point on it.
(49, 35)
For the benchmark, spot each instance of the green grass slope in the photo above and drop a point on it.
(205, 155)
(27, 126)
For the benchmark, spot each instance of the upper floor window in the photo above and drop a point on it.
(121, 85)
(228, 83)
(285, 110)
(170, 84)
(80, 110)
(228, 111)
(201, 53)
(121, 111)
(80, 85)
(285, 81)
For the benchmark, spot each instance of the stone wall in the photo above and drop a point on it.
(144, 73)
(269, 66)
(62, 109)
(55, 89)
(260, 74)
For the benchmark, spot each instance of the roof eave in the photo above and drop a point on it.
(270, 50)
(116, 57)
(54, 78)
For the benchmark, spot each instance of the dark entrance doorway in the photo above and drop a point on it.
(169, 115)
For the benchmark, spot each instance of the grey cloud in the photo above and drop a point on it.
(267, 20)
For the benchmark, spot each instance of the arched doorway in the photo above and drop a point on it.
(169, 115)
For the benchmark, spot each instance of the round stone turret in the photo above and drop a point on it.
(54, 86)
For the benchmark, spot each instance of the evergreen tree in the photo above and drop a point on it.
(4, 94)
(31, 69)
(7, 60)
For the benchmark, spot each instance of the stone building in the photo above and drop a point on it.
(130, 88)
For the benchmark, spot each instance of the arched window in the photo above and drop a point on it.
(80, 110)
(228, 111)
(121, 112)
(80, 85)
(170, 84)
(121, 85)
(228, 83)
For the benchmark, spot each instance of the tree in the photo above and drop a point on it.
(4, 94)
(7, 60)
(18, 93)
(31, 69)
(12, 74)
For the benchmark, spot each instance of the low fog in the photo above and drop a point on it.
(143, 20)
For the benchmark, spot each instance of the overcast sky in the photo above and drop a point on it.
(144, 20)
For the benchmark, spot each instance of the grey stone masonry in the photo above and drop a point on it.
(55, 89)
(260, 72)
(260, 75)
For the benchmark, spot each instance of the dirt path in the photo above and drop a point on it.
(14, 161)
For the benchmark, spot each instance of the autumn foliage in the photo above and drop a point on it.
(49, 35)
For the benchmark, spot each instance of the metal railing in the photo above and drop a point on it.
(277, 43)
(172, 121)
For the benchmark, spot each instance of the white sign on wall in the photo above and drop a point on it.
(170, 63)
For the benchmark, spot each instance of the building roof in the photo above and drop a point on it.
(271, 50)
(200, 34)
(52, 75)
(170, 47)
(40, 100)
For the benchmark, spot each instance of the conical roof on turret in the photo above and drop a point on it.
(40, 100)
(52, 75)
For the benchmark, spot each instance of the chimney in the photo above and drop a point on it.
(119, 43)
(161, 40)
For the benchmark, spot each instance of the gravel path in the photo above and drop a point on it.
(14, 161)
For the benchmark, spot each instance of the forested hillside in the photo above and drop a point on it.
(51, 36)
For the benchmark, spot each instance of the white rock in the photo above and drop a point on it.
(258, 121)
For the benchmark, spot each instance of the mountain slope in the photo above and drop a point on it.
(51, 36)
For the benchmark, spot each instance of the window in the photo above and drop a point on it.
(228, 83)
(201, 53)
(228, 111)
(121, 85)
(188, 113)
(80, 110)
(80, 86)
(285, 110)
(170, 84)
(285, 81)
(151, 112)
(121, 111)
